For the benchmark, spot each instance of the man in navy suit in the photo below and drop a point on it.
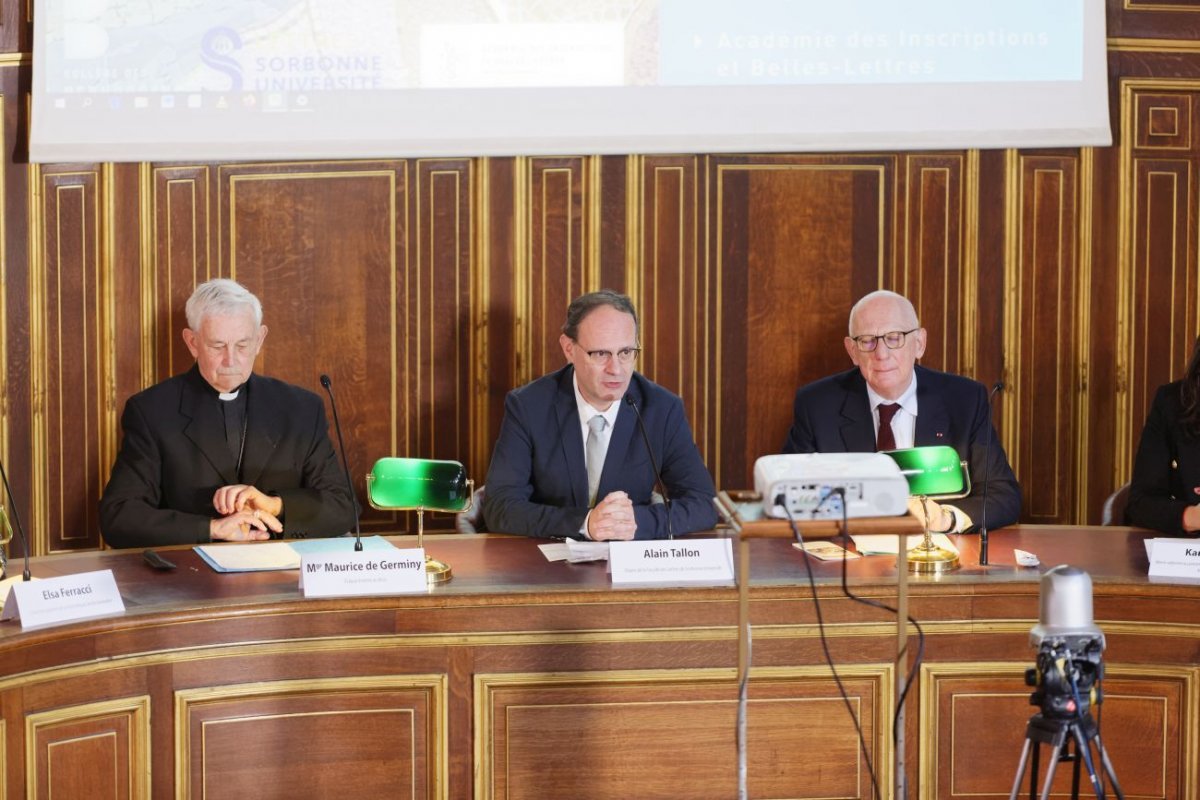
(842, 413)
(570, 460)
(218, 453)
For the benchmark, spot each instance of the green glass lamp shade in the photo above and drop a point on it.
(409, 483)
(933, 472)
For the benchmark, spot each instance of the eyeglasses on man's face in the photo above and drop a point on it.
(893, 339)
(625, 355)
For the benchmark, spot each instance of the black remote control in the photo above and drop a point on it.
(155, 560)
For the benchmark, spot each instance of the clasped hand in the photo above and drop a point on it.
(612, 518)
(940, 520)
(248, 515)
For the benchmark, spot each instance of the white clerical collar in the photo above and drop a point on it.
(229, 395)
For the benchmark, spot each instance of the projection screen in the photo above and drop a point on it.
(171, 80)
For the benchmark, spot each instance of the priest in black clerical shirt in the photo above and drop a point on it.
(219, 453)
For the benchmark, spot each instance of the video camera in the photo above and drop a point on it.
(1069, 668)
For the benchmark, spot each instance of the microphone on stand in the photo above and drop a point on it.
(629, 401)
(328, 384)
(12, 506)
(987, 469)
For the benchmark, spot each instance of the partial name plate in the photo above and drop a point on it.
(672, 562)
(67, 598)
(369, 572)
(1174, 558)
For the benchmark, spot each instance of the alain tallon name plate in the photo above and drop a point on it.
(369, 572)
(672, 562)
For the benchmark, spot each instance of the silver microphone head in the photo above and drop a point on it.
(1065, 612)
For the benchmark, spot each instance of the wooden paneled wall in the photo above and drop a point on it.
(428, 288)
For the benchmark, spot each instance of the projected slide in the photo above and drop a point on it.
(226, 79)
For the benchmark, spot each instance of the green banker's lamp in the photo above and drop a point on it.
(933, 473)
(421, 484)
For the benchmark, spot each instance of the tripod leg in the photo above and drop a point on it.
(1033, 776)
(1054, 755)
(1021, 769)
(1074, 768)
(1108, 769)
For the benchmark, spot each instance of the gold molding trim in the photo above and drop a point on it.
(486, 683)
(1127, 210)
(1119, 44)
(136, 708)
(434, 684)
(969, 267)
(147, 278)
(106, 379)
(522, 276)
(558, 637)
(714, 266)
(593, 202)
(16, 59)
(712, 278)
(38, 456)
(154, 315)
(914, 220)
(480, 258)
(928, 769)
(1083, 327)
(426, 192)
(394, 173)
(635, 231)
(1010, 409)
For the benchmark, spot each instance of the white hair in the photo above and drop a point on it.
(220, 296)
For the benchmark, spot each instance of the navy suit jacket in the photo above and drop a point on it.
(833, 415)
(537, 480)
(1166, 471)
(174, 457)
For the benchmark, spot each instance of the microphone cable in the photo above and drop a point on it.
(812, 583)
(743, 700)
(920, 656)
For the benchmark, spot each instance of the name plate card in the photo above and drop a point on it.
(1174, 558)
(672, 562)
(354, 574)
(68, 598)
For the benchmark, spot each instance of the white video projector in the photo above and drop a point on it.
(873, 484)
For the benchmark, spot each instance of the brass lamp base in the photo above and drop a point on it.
(928, 558)
(437, 571)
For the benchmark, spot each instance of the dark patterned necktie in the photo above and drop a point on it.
(885, 439)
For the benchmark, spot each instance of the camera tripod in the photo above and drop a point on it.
(1059, 734)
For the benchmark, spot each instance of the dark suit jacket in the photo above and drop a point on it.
(537, 481)
(833, 415)
(174, 457)
(1166, 470)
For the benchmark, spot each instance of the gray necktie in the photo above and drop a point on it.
(594, 455)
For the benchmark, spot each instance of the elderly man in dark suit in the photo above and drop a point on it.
(218, 453)
(887, 402)
(570, 460)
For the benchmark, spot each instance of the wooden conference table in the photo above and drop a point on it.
(527, 679)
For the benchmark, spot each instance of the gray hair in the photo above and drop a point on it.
(220, 297)
(880, 294)
(587, 303)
